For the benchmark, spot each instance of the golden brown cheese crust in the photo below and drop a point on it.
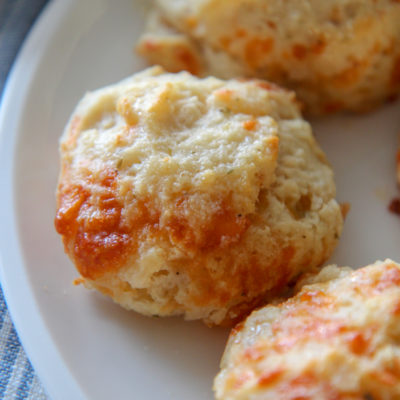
(338, 338)
(336, 54)
(182, 196)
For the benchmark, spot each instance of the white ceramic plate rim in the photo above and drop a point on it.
(24, 309)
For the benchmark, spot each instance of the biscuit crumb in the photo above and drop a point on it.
(394, 206)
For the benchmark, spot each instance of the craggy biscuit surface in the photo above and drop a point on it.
(194, 197)
(336, 54)
(338, 338)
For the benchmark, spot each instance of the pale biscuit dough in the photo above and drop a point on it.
(193, 197)
(336, 54)
(337, 338)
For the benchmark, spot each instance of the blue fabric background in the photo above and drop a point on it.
(17, 378)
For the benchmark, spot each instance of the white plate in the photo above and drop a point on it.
(81, 344)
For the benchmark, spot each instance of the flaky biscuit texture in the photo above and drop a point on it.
(336, 54)
(194, 197)
(337, 338)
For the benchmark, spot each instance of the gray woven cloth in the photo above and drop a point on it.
(17, 378)
(16, 18)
